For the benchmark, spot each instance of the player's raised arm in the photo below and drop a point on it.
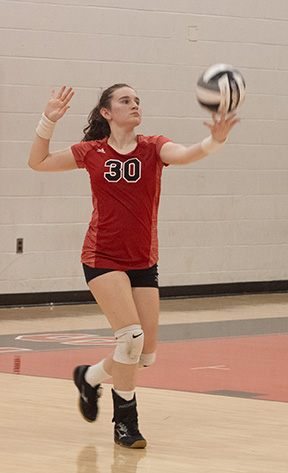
(173, 153)
(40, 158)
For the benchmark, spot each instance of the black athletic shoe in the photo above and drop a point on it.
(88, 400)
(126, 432)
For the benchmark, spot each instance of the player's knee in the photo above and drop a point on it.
(129, 344)
(147, 359)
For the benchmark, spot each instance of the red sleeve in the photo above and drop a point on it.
(80, 151)
(161, 140)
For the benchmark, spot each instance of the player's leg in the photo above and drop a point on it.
(98, 373)
(113, 293)
(147, 303)
(146, 297)
(101, 371)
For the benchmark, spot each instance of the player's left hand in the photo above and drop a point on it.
(221, 128)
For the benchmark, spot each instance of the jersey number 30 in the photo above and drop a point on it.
(130, 170)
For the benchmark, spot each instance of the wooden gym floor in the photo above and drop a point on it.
(215, 401)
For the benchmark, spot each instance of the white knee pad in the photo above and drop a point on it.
(129, 344)
(147, 359)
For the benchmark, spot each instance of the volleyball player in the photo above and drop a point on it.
(120, 250)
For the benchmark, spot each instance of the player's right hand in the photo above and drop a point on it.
(58, 104)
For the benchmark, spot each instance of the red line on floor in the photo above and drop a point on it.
(250, 364)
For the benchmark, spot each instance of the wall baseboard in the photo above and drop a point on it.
(205, 290)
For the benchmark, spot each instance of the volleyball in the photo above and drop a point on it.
(221, 89)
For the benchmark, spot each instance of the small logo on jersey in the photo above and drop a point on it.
(101, 150)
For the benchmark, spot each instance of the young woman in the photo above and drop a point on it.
(120, 250)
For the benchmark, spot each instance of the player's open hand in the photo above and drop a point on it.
(221, 128)
(58, 104)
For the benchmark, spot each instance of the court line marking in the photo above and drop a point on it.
(218, 367)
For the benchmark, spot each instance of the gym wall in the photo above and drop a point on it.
(222, 220)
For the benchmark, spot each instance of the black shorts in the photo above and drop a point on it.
(138, 277)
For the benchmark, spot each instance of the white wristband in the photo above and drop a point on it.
(209, 145)
(45, 127)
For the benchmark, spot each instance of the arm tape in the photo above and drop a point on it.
(45, 127)
(209, 145)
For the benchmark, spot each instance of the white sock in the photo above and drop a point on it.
(96, 374)
(127, 395)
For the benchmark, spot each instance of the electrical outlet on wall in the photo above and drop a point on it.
(19, 245)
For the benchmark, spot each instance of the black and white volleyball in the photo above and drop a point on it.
(221, 89)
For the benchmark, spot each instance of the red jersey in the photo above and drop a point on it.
(122, 233)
